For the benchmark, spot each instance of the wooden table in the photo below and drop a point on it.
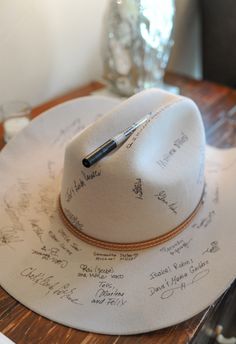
(25, 327)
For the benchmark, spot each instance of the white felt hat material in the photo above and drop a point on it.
(164, 158)
(141, 191)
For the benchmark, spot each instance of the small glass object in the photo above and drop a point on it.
(15, 116)
(138, 44)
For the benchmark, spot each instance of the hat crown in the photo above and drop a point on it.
(146, 187)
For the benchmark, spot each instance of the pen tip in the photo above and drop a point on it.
(86, 163)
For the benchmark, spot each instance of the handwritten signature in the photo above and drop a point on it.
(138, 188)
(205, 221)
(109, 295)
(9, 236)
(51, 285)
(162, 196)
(81, 183)
(177, 144)
(51, 254)
(183, 285)
(37, 229)
(14, 218)
(73, 219)
(214, 247)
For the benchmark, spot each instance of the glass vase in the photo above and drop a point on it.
(138, 42)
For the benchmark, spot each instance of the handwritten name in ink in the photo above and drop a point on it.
(52, 255)
(138, 188)
(37, 229)
(65, 242)
(63, 291)
(46, 201)
(72, 190)
(73, 219)
(205, 221)
(68, 239)
(62, 245)
(128, 256)
(109, 295)
(99, 272)
(176, 146)
(92, 175)
(161, 272)
(104, 256)
(110, 256)
(171, 268)
(9, 236)
(180, 280)
(162, 196)
(177, 247)
(13, 215)
(213, 248)
(81, 183)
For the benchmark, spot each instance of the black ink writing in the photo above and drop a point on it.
(200, 275)
(51, 254)
(205, 221)
(181, 280)
(162, 196)
(138, 188)
(177, 247)
(73, 219)
(99, 272)
(109, 256)
(176, 146)
(72, 190)
(13, 216)
(9, 236)
(109, 295)
(92, 175)
(51, 285)
(128, 256)
(213, 248)
(37, 229)
(62, 245)
(159, 273)
(80, 183)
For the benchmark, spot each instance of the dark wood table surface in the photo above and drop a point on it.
(25, 327)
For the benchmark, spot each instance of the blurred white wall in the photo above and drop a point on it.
(48, 47)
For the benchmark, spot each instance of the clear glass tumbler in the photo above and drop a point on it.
(15, 115)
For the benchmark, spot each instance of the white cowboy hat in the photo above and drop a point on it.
(143, 239)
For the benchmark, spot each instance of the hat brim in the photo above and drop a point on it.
(53, 273)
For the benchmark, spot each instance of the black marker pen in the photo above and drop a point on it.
(112, 143)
